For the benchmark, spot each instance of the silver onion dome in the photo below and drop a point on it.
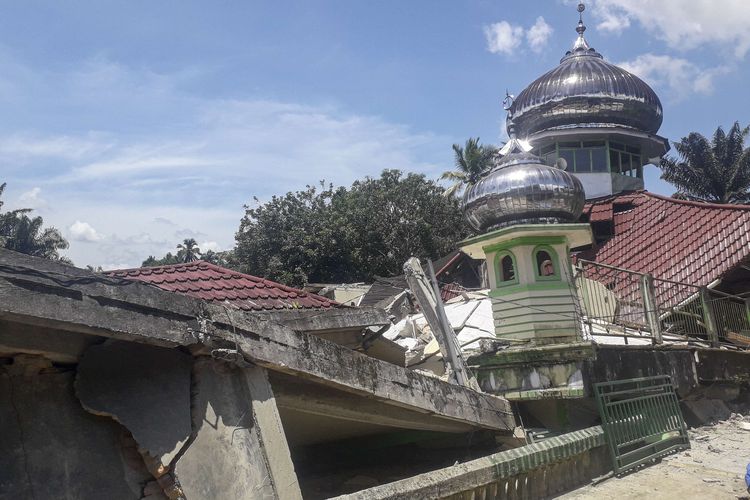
(585, 90)
(521, 189)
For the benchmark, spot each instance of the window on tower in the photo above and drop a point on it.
(506, 269)
(594, 157)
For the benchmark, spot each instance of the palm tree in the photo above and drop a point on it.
(188, 250)
(716, 171)
(25, 234)
(471, 161)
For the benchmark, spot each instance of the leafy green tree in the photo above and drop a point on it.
(326, 234)
(25, 234)
(222, 259)
(716, 171)
(471, 161)
(167, 260)
(188, 250)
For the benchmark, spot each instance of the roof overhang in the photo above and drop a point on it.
(578, 235)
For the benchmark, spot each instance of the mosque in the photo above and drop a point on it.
(570, 237)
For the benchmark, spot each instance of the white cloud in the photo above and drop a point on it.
(83, 231)
(32, 199)
(678, 76)
(539, 34)
(209, 245)
(173, 160)
(682, 24)
(503, 37)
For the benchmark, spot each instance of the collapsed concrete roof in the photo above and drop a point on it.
(60, 297)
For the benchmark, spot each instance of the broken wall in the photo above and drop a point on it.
(132, 421)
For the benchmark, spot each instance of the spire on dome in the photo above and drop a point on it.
(580, 42)
(514, 144)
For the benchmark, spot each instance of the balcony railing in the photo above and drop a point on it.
(618, 302)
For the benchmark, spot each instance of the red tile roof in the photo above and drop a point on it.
(217, 284)
(678, 240)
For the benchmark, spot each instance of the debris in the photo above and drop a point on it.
(714, 449)
(745, 426)
(711, 480)
(699, 438)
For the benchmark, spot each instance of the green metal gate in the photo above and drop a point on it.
(641, 419)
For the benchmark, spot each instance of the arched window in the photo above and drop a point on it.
(507, 273)
(546, 266)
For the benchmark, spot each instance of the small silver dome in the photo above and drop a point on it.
(521, 189)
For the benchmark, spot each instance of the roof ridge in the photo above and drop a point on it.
(165, 266)
(702, 204)
(265, 281)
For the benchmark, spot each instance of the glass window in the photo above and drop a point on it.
(568, 155)
(575, 144)
(593, 144)
(625, 164)
(617, 145)
(548, 149)
(507, 270)
(631, 149)
(583, 160)
(599, 160)
(614, 161)
(549, 159)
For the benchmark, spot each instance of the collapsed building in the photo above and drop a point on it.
(194, 381)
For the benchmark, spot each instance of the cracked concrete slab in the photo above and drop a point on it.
(145, 388)
(50, 447)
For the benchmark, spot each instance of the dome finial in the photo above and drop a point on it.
(580, 29)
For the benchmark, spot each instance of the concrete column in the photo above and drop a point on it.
(238, 447)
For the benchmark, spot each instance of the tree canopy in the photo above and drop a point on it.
(338, 235)
(188, 251)
(471, 161)
(717, 170)
(25, 234)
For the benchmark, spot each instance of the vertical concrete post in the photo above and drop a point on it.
(273, 439)
(709, 317)
(650, 307)
(238, 449)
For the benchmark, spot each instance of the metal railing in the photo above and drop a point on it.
(641, 419)
(622, 303)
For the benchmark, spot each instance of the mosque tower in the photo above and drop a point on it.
(592, 118)
(583, 130)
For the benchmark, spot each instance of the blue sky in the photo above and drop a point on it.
(133, 125)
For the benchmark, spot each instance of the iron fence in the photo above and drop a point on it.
(641, 420)
(622, 303)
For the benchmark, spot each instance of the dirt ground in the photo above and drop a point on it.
(714, 468)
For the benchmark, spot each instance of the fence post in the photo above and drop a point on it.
(709, 317)
(649, 306)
